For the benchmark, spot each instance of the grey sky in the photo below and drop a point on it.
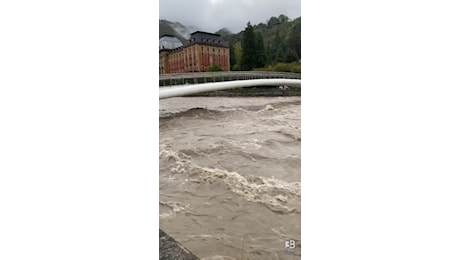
(212, 15)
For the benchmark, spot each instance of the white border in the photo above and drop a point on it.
(79, 130)
(380, 130)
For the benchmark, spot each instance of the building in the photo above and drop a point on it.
(202, 51)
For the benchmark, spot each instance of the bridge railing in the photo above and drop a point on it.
(206, 77)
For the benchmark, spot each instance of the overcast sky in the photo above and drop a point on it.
(212, 15)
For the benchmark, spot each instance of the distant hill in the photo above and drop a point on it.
(224, 32)
(183, 32)
(177, 29)
(281, 37)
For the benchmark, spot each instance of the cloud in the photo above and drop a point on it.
(212, 15)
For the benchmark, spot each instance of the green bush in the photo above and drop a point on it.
(283, 67)
(214, 68)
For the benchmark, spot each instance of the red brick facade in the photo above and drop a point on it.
(202, 51)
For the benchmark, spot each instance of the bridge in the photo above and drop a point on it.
(175, 85)
(208, 77)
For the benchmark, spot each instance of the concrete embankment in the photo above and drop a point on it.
(170, 249)
(269, 91)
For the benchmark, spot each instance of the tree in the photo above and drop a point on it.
(249, 57)
(268, 56)
(260, 51)
(291, 56)
(294, 39)
(238, 54)
(283, 18)
(273, 21)
(278, 49)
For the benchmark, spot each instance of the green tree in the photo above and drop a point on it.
(260, 51)
(294, 39)
(283, 18)
(249, 58)
(238, 54)
(232, 54)
(278, 50)
(291, 56)
(273, 21)
(268, 56)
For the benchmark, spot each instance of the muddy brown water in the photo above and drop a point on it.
(230, 175)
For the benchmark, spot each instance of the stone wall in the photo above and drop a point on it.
(252, 92)
(170, 249)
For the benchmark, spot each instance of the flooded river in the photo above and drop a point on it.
(230, 175)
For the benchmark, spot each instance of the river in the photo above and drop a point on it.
(230, 175)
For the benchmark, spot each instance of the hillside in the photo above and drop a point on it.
(281, 38)
(177, 29)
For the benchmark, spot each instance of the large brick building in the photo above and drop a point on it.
(200, 52)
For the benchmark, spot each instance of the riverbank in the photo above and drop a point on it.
(269, 91)
(170, 249)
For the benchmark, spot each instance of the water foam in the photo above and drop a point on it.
(175, 208)
(277, 195)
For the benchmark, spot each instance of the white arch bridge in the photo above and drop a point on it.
(174, 85)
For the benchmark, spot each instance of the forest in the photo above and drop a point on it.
(274, 45)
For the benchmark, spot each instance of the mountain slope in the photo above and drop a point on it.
(281, 38)
(177, 29)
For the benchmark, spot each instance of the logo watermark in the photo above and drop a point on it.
(289, 245)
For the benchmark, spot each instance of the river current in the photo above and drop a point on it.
(230, 176)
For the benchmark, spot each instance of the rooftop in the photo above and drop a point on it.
(206, 38)
(201, 32)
